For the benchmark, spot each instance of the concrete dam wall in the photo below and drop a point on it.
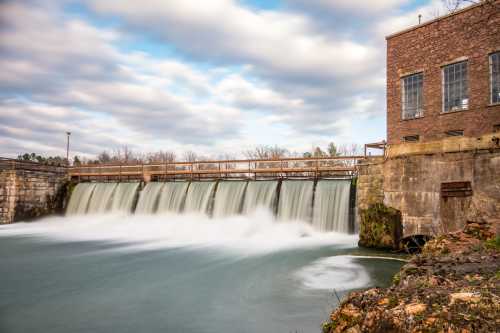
(437, 190)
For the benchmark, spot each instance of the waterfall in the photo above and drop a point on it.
(172, 197)
(124, 197)
(331, 205)
(329, 212)
(198, 197)
(295, 201)
(260, 194)
(148, 198)
(229, 198)
(100, 202)
(80, 197)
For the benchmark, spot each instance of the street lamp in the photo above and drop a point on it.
(67, 147)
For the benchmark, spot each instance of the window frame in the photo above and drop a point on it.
(490, 61)
(419, 111)
(454, 133)
(407, 137)
(444, 85)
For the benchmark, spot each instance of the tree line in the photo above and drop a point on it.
(126, 155)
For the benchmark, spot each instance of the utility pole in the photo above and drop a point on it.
(67, 147)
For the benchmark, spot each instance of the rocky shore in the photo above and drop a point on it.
(452, 286)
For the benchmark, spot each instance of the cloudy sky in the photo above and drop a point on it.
(210, 76)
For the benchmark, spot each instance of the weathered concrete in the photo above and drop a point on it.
(27, 194)
(412, 182)
(380, 227)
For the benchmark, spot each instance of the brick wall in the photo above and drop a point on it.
(27, 194)
(471, 34)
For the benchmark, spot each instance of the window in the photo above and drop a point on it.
(495, 77)
(411, 138)
(455, 133)
(412, 96)
(455, 90)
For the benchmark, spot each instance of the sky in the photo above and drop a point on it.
(215, 77)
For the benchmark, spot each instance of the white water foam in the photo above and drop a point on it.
(340, 271)
(255, 233)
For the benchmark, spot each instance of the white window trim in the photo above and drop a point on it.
(402, 81)
(443, 110)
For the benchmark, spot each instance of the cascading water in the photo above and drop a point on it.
(295, 203)
(124, 197)
(172, 197)
(101, 198)
(330, 211)
(229, 198)
(198, 197)
(331, 205)
(260, 194)
(80, 198)
(148, 198)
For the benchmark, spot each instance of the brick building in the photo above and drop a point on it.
(443, 77)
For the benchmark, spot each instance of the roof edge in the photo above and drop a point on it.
(434, 20)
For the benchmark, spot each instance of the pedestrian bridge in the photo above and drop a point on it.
(317, 167)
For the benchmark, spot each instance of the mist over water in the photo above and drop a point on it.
(176, 273)
(255, 233)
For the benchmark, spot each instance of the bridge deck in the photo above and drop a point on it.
(286, 167)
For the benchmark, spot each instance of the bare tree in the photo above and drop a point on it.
(104, 157)
(266, 152)
(190, 156)
(160, 157)
(491, 7)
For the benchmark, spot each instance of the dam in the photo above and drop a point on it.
(187, 248)
(325, 203)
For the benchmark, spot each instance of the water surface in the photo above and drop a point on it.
(172, 273)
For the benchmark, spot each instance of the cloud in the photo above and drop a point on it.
(358, 7)
(304, 72)
(67, 64)
(226, 32)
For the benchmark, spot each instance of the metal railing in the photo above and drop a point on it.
(13, 164)
(285, 167)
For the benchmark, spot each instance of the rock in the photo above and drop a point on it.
(352, 312)
(383, 301)
(464, 297)
(380, 227)
(354, 329)
(415, 308)
(452, 286)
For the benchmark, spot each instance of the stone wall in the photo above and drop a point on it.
(426, 49)
(28, 194)
(412, 184)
